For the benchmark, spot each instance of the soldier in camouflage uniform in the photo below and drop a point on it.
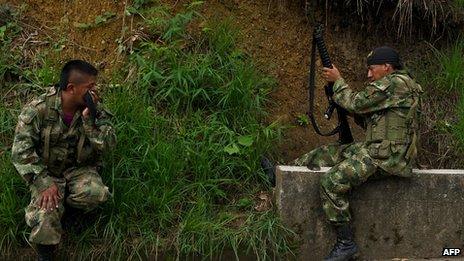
(388, 108)
(57, 150)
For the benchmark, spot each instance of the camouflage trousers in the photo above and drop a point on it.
(350, 165)
(82, 188)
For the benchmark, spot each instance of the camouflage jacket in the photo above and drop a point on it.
(390, 109)
(44, 146)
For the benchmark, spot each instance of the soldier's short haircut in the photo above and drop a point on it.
(75, 65)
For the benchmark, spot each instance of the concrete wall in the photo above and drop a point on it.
(392, 217)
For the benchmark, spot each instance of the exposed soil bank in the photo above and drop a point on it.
(53, 25)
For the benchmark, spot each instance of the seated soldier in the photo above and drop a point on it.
(388, 107)
(57, 148)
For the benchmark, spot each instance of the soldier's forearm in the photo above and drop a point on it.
(343, 95)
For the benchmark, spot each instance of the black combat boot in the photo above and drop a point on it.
(345, 248)
(269, 170)
(45, 252)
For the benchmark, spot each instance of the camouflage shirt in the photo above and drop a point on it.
(390, 109)
(40, 124)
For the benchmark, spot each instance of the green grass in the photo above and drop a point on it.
(190, 140)
(13, 199)
(458, 128)
(451, 75)
(9, 29)
(12, 190)
(441, 74)
(459, 3)
(451, 80)
(185, 172)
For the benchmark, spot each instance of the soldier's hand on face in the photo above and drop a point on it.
(331, 74)
(96, 99)
(49, 198)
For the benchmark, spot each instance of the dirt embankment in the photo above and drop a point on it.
(59, 27)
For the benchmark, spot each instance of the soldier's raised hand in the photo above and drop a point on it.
(331, 74)
(95, 98)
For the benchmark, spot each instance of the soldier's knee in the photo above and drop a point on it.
(99, 194)
(89, 197)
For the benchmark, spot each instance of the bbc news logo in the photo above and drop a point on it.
(451, 252)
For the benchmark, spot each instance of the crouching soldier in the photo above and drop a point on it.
(57, 149)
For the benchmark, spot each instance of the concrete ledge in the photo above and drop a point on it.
(392, 217)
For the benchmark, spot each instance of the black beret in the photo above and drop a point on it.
(384, 54)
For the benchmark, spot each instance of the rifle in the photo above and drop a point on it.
(343, 128)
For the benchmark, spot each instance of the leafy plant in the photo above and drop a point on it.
(302, 120)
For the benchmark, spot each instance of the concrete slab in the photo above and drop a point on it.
(393, 217)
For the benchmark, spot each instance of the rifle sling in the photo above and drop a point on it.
(312, 76)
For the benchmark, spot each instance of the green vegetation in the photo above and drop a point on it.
(185, 173)
(451, 75)
(12, 190)
(99, 20)
(459, 3)
(302, 120)
(442, 76)
(8, 30)
(193, 111)
(451, 78)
